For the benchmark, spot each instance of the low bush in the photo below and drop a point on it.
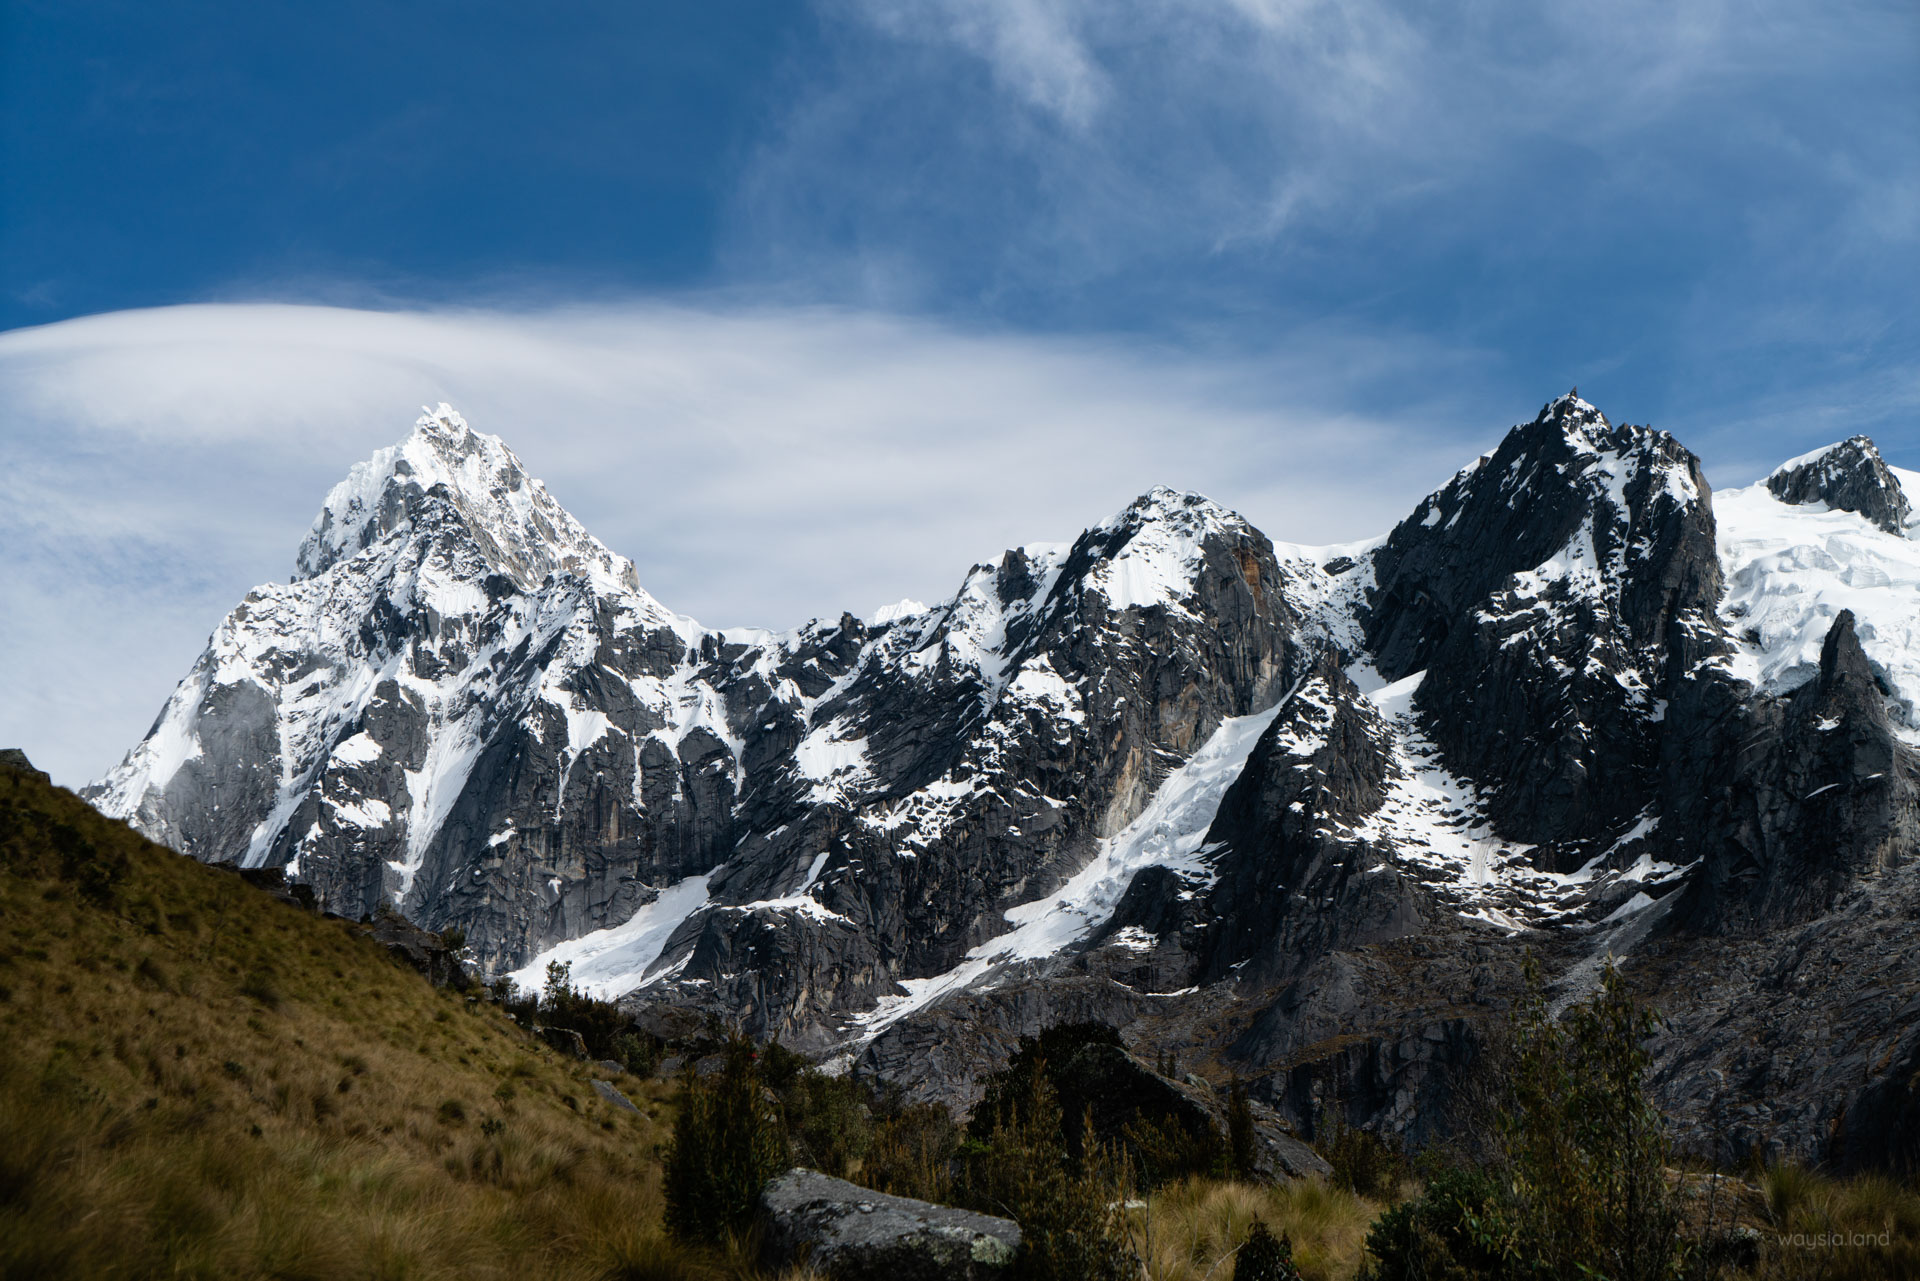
(1362, 1161)
(728, 1140)
(1265, 1257)
(1162, 1141)
(1071, 1211)
(1577, 1184)
(607, 1032)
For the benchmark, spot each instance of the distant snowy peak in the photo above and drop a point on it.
(522, 531)
(445, 606)
(906, 607)
(1176, 511)
(1849, 476)
(1596, 478)
(1148, 556)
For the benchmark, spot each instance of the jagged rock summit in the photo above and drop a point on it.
(1851, 477)
(1300, 806)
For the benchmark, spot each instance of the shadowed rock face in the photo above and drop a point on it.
(1298, 877)
(1790, 800)
(1293, 871)
(15, 759)
(1556, 607)
(851, 1233)
(1850, 477)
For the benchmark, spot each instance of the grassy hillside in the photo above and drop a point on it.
(199, 1080)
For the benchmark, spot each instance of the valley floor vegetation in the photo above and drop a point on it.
(1567, 1172)
(199, 1080)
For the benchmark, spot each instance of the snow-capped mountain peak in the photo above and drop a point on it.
(511, 517)
(1826, 533)
(1151, 550)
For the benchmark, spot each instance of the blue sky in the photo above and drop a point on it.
(1308, 256)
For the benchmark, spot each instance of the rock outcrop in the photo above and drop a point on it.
(1787, 801)
(1551, 593)
(850, 1233)
(15, 759)
(1851, 477)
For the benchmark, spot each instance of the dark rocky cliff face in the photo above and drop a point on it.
(1551, 593)
(1291, 814)
(1787, 801)
(465, 706)
(1293, 875)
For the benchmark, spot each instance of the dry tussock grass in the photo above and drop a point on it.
(1190, 1230)
(200, 1081)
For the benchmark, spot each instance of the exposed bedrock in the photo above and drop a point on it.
(1552, 593)
(1850, 476)
(1787, 801)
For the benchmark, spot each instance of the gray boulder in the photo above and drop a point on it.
(851, 1233)
(613, 1096)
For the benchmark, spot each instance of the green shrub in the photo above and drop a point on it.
(636, 1053)
(1239, 1130)
(1363, 1162)
(1263, 1257)
(727, 1142)
(1162, 1143)
(829, 1122)
(1010, 1090)
(1585, 1149)
(1071, 1213)
(1576, 1184)
(1455, 1230)
(1164, 1149)
(599, 1023)
(781, 1067)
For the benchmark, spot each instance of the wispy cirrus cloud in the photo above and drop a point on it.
(1308, 151)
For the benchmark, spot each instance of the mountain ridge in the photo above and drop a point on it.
(1168, 770)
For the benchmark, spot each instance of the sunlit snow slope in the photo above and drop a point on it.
(1791, 569)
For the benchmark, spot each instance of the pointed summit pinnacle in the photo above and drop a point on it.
(445, 420)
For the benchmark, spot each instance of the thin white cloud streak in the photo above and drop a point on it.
(1031, 45)
(759, 466)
